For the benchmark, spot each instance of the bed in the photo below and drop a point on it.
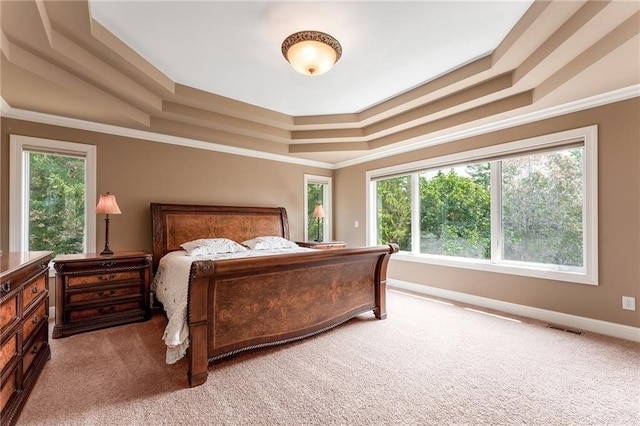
(234, 305)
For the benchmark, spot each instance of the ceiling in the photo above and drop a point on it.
(211, 74)
(233, 48)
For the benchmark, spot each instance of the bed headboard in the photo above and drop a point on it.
(174, 224)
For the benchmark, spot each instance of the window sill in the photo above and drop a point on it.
(502, 268)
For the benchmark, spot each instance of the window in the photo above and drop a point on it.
(527, 208)
(52, 195)
(317, 191)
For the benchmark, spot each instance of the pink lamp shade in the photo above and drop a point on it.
(107, 205)
(318, 211)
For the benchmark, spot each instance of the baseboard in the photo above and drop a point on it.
(552, 317)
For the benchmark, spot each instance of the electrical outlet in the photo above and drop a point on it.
(629, 303)
(355, 224)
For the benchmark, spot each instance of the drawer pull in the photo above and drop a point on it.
(106, 310)
(107, 264)
(34, 350)
(35, 289)
(106, 294)
(42, 265)
(6, 286)
(35, 320)
(106, 278)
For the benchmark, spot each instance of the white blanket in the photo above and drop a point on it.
(171, 284)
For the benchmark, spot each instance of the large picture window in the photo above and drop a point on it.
(527, 207)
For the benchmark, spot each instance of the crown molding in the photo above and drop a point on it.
(73, 123)
(567, 108)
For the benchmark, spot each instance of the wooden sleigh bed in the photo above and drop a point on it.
(235, 305)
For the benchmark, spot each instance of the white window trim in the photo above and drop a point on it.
(588, 135)
(18, 196)
(326, 205)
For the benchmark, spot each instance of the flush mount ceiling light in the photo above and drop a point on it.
(311, 52)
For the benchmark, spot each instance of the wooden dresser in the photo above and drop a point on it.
(94, 291)
(24, 331)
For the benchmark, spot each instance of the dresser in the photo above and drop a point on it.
(95, 291)
(24, 331)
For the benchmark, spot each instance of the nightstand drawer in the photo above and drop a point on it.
(101, 311)
(9, 350)
(33, 290)
(33, 320)
(103, 294)
(102, 278)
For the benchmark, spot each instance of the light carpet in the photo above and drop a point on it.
(429, 363)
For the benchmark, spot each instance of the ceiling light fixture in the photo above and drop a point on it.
(311, 52)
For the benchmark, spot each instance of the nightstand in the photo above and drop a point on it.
(95, 291)
(322, 245)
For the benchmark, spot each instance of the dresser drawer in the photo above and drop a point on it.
(101, 311)
(34, 289)
(102, 278)
(33, 320)
(35, 346)
(9, 311)
(103, 294)
(9, 388)
(9, 350)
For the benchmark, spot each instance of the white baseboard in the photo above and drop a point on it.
(552, 317)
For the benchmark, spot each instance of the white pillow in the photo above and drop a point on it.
(269, 243)
(205, 246)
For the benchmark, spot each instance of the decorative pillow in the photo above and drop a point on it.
(205, 246)
(269, 243)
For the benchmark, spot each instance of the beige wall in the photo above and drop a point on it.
(619, 221)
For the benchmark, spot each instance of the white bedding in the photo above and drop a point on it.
(170, 286)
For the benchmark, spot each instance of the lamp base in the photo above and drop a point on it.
(106, 251)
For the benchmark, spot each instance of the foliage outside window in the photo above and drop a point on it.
(56, 203)
(315, 196)
(529, 210)
(394, 211)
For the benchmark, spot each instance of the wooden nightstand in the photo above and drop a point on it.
(322, 245)
(94, 291)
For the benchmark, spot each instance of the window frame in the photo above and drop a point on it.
(18, 190)
(587, 136)
(326, 181)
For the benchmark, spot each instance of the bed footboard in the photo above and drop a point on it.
(242, 304)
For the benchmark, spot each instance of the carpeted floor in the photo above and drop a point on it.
(429, 363)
